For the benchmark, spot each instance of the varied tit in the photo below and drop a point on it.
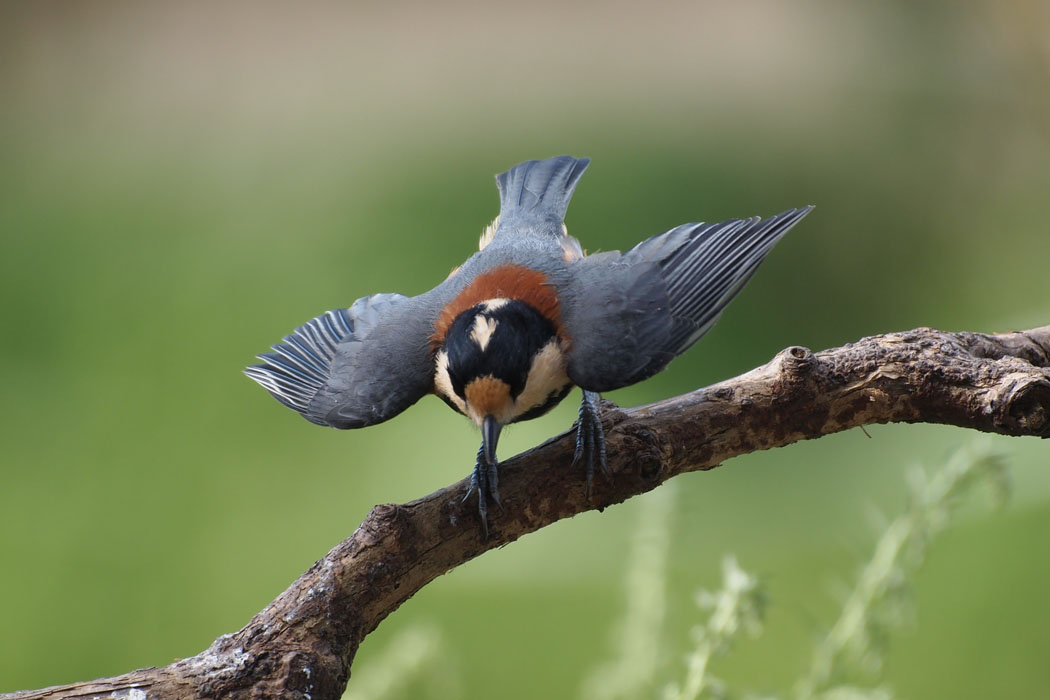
(509, 333)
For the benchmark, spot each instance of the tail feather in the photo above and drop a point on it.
(540, 188)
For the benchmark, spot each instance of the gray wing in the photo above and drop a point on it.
(631, 314)
(353, 367)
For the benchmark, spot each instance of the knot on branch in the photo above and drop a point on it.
(796, 368)
(1026, 408)
(796, 362)
(649, 454)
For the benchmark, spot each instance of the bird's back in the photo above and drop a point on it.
(529, 232)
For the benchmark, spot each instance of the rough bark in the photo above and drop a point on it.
(302, 644)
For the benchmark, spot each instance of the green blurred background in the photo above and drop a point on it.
(183, 183)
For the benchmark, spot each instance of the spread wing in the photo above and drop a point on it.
(631, 314)
(353, 367)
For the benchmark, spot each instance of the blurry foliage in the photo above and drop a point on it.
(880, 600)
(413, 665)
(639, 647)
(738, 606)
(845, 659)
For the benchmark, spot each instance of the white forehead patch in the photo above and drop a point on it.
(493, 304)
(482, 331)
(443, 383)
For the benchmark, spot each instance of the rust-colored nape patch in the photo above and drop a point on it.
(503, 282)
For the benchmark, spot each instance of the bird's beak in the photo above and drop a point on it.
(490, 429)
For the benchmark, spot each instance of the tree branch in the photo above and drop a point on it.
(302, 644)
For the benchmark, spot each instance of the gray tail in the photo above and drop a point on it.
(540, 188)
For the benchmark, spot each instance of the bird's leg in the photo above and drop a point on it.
(484, 480)
(590, 437)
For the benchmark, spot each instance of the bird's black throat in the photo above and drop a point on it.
(518, 333)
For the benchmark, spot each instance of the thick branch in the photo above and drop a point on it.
(302, 644)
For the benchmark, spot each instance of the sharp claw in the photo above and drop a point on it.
(472, 485)
(485, 481)
(578, 453)
(590, 449)
(483, 512)
(483, 508)
(493, 479)
(603, 463)
(586, 442)
(590, 438)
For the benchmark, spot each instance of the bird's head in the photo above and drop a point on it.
(501, 361)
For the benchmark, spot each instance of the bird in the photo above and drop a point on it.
(508, 334)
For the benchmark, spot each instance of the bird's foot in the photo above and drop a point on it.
(484, 480)
(590, 437)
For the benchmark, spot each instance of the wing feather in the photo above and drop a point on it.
(353, 367)
(631, 314)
